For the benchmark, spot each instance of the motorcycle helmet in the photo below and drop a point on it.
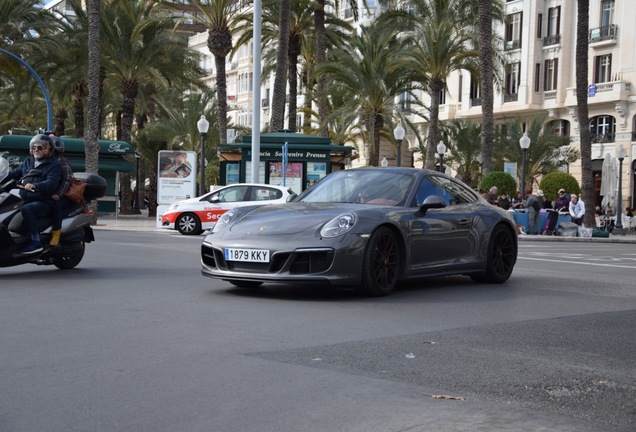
(43, 140)
(58, 145)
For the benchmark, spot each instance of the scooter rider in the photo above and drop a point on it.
(38, 189)
(60, 202)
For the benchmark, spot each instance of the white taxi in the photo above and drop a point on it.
(194, 215)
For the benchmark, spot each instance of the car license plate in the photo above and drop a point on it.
(248, 255)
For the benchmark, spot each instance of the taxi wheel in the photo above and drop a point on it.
(189, 224)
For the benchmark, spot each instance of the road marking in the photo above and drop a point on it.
(576, 262)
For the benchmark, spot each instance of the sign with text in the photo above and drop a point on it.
(177, 178)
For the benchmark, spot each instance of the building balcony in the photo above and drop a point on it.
(511, 97)
(603, 35)
(552, 40)
(603, 138)
(598, 93)
(512, 45)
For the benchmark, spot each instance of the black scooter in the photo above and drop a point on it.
(76, 227)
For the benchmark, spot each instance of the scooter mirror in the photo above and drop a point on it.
(4, 167)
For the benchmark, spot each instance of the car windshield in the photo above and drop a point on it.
(365, 186)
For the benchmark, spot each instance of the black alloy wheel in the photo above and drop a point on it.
(501, 258)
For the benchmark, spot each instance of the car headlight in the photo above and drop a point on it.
(338, 225)
(225, 219)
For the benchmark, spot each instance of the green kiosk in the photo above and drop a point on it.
(308, 159)
(15, 148)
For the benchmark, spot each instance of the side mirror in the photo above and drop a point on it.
(291, 197)
(432, 201)
(215, 199)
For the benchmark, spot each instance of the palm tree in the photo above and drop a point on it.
(582, 30)
(94, 85)
(369, 75)
(301, 42)
(544, 155)
(279, 93)
(486, 68)
(139, 50)
(321, 58)
(441, 42)
(464, 150)
(222, 18)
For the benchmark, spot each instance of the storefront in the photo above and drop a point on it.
(307, 159)
(15, 148)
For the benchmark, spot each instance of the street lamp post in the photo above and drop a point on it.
(618, 229)
(398, 133)
(441, 150)
(203, 124)
(524, 142)
(137, 186)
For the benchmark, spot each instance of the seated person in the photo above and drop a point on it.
(38, 188)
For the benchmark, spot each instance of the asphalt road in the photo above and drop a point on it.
(135, 339)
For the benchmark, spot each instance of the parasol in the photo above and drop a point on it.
(609, 183)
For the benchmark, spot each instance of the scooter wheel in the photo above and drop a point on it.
(68, 261)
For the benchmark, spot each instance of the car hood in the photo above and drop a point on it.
(290, 218)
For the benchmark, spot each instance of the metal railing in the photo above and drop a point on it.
(599, 34)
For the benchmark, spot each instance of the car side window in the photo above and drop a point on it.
(264, 194)
(451, 191)
(233, 194)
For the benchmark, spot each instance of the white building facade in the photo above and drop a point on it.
(539, 79)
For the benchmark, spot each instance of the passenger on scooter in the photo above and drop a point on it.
(60, 202)
(38, 189)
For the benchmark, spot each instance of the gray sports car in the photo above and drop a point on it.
(368, 228)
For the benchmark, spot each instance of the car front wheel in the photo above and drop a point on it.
(501, 258)
(189, 224)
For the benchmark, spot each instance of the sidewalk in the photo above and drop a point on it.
(139, 223)
(143, 223)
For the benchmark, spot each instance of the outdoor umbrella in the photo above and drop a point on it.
(609, 182)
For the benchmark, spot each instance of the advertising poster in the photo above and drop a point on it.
(177, 178)
(293, 175)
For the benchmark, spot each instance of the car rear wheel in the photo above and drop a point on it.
(381, 263)
(189, 224)
(502, 255)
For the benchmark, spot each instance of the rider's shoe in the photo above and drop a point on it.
(55, 238)
(32, 248)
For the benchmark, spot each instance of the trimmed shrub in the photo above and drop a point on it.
(505, 182)
(551, 183)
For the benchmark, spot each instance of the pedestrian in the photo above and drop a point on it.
(562, 203)
(576, 209)
(60, 202)
(504, 201)
(492, 196)
(534, 208)
(517, 201)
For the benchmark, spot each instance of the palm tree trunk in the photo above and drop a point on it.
(129, 93)
(436, 87)
(277, 120)
(587, 181)
(94, 92)
(321, 58)
(487, 88)
(292, 76)
(221, 90)
(307, 101)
